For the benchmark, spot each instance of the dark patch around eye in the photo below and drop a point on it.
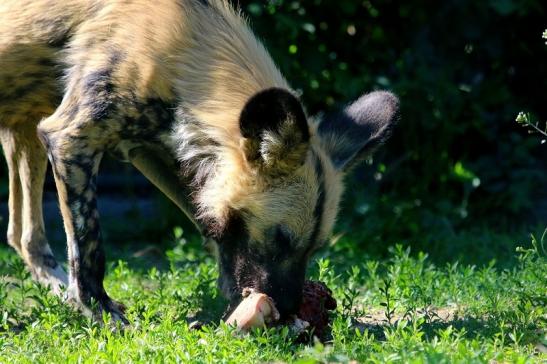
(282, 238)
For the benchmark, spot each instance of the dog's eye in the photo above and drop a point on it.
(283, 237)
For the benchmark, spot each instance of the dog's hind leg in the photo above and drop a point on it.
(15, 200)
(35, 249)
(27, 163)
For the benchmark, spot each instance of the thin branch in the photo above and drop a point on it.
(524, 119)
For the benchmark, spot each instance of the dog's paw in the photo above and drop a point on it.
(46, 271)
(55, 279)
(102, 310)
(115, 310)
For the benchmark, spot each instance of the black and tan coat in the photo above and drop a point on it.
(184, 91)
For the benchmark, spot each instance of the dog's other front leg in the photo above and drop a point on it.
(75, 156)
(162, 176)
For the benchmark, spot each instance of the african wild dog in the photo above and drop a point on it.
(184, 91)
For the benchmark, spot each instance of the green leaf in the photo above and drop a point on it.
(504, 7)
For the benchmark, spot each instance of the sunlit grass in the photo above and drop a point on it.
(403, 308)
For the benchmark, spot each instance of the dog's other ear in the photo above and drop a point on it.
(276, 131)
(355, 132)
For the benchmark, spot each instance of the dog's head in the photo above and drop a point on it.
(296, 168)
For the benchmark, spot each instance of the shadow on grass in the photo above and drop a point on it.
(212, 308)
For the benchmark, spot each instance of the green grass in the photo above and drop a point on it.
(403, 308)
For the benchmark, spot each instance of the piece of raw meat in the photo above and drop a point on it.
(258, 310)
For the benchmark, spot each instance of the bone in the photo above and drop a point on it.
(256, 310)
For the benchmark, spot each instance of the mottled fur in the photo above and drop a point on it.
(184, 91)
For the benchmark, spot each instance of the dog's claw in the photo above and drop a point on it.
(116, 310)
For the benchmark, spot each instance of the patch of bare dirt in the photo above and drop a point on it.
(376, 321)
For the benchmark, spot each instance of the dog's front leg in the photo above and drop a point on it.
(75, 153)
(157, 171)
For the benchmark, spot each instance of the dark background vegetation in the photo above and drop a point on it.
(459, 179)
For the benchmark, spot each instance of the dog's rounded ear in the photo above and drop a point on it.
(276, 131)
(355, 132)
